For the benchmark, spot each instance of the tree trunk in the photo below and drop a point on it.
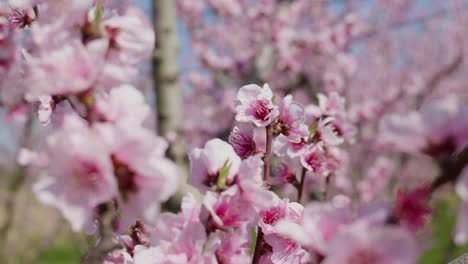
(167, 91)
(165, 71)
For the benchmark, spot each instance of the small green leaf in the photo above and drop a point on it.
(273, 99)
(313, 128)
(98, 16)
(253, 240)
(222, 175)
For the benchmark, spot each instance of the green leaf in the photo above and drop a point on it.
(98, 17)
(222, 175)
(444, 217)
(253, 240)
(313, 128)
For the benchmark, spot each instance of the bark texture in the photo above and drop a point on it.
(165, 71)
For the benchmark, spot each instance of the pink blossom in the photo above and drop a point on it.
(376, 179)
(78, 174)
(131, 37)
(318, 225)
(44, 112)
(282, 146)
(287, 171)
(285, 250)
(21, 18)
(206, 164)
(124, 104)
(435, 130)
(363, 244)
(228, 209)
(282, 210)
(144, 175)
(314, 159)
(290, 120)
(255, 105)
(251, 185)
(234, 247)
(247, 140)
(333, 105)
(69, 69)
(177, 238)
(412, 208)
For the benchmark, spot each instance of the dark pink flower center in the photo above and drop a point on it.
(126, 178)
(87, 174)
(19, 19)
(271, 215)
(260, 110)
(286, 174)
(413, 207)
(228, 214)
(243, 145)
(315, 161)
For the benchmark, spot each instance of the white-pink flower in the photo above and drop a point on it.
(76, 172)
(314, 159)
(247, 140)
(290, 120)
(255, 104)
(130, 35)
(144, 175)
(67, 70)
(363, 244)
(207, 164)
(228, 209)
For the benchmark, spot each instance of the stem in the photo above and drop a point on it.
(267, 157)
(258, 246)
(300, 187)
(266, 179)
(106, 222)
(451, 169)
(327, 192)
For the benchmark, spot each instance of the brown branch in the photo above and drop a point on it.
(300, 187)
(439, 76)
(107, 217)
(259, 245)
(451, 168)
(267, 157)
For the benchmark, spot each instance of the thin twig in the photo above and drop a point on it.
(266, 179)
(258, 246)
(300, 187)
(105, 243)
(267, 157)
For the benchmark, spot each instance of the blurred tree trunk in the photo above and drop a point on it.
(165, 71)
(167, 90)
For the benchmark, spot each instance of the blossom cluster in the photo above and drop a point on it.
(277, 188)
(73, 63)
(240, 219)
